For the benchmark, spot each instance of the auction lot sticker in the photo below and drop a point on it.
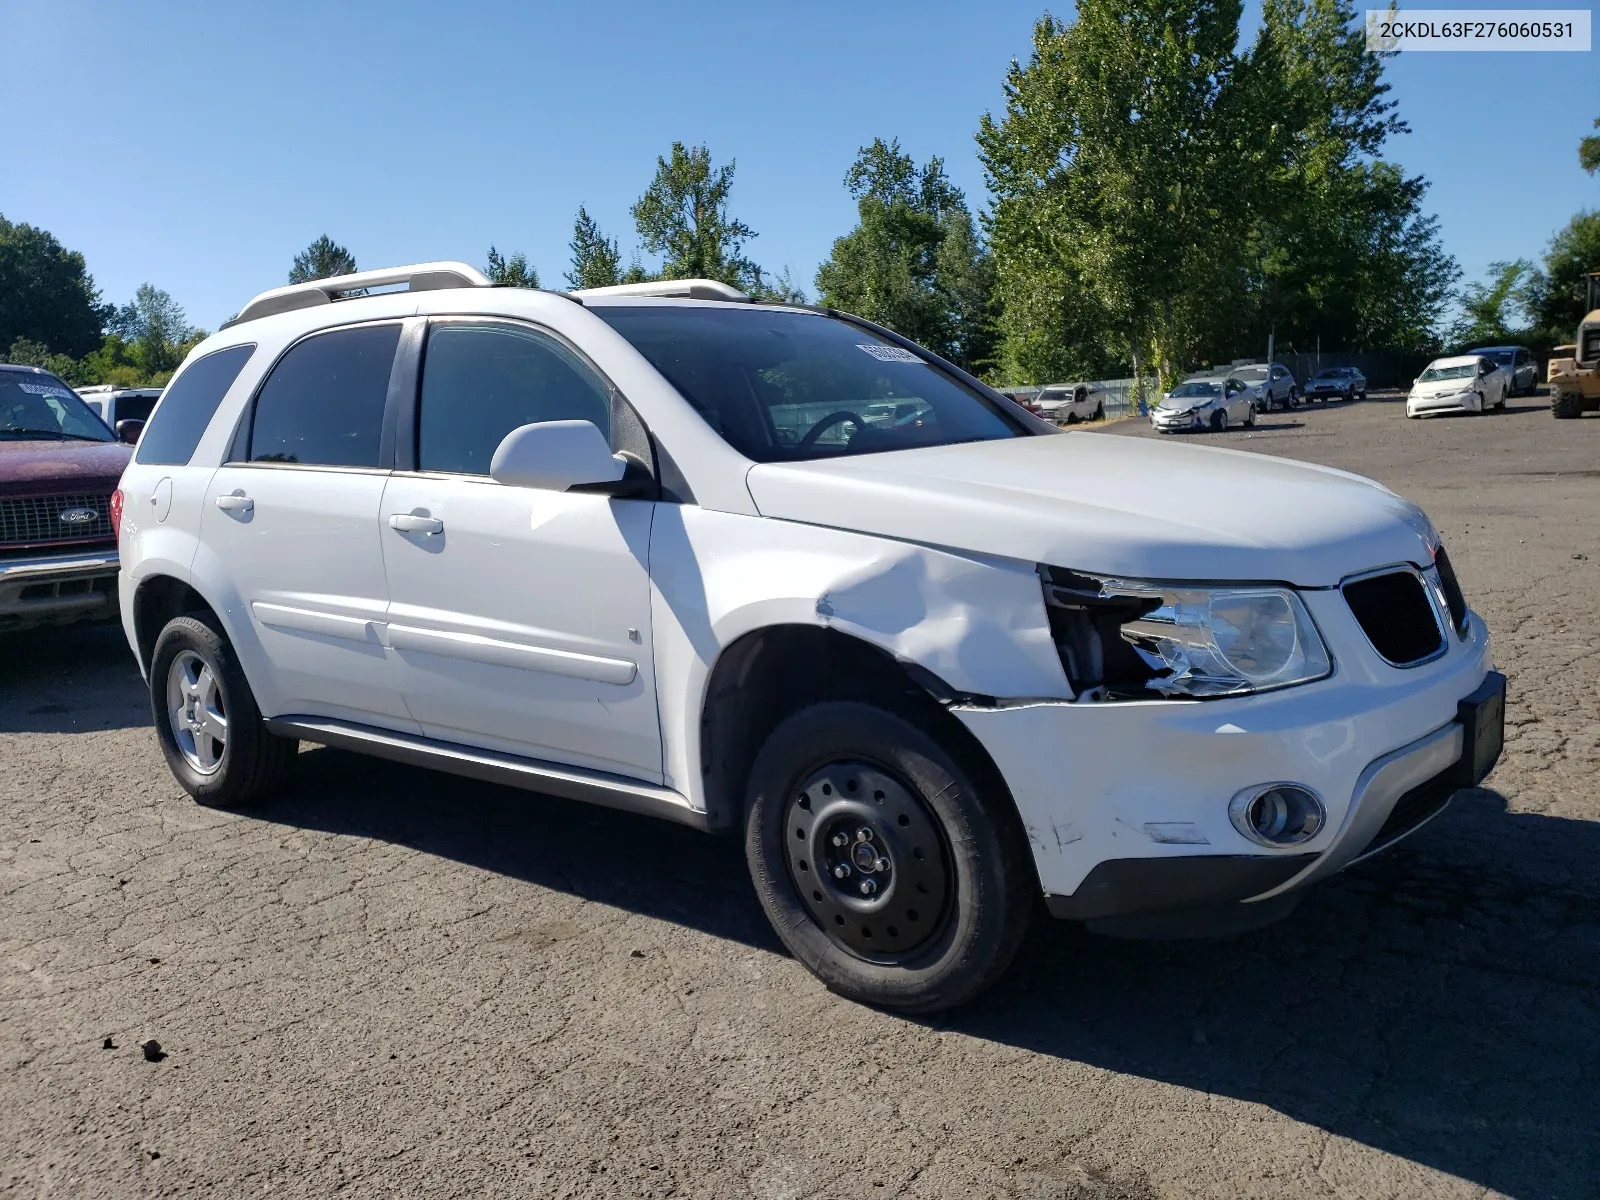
(1477, 29)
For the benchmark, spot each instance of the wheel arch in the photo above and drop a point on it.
(157, 599)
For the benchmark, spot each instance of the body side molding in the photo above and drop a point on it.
(534, 775)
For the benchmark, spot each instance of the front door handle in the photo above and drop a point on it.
(237, 502)
(411, 523)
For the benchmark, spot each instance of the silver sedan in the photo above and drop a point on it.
(1205, 402)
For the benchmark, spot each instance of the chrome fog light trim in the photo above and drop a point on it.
(1278, 814)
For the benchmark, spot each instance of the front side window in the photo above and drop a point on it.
(39, 407)
(781, 385)
(323, 403)
(187, 406)
(479, 382)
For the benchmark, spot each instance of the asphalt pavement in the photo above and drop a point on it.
(387, 982)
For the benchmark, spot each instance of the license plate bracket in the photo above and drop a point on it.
(1483, 726)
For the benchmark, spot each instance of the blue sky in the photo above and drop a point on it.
(199, 146)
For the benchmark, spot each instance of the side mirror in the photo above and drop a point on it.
(128, 430)
(557, 456)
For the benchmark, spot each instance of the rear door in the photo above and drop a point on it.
(294, 521)
(519, 617)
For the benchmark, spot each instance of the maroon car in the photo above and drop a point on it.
(59, 466)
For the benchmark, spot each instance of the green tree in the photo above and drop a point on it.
(323, 259)
(1589, 151)
(683, 216)
(511, 272)
(46, 294)
(1492, 308)
(914, 261)
(1111, 176)
(154, 332)
(1556, 291)
(596, 262)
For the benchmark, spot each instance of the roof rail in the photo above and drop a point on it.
(420, 277)
(681, 289)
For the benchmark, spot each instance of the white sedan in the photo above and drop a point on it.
(1466, 383)
(1205, 402)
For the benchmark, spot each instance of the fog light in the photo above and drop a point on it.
(1277, 814)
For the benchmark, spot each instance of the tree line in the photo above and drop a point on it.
(1159, 198)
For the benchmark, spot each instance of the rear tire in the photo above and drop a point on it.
(957, 879)
(206, 717)
(1564, 406)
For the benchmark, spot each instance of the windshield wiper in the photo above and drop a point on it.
(51, 433)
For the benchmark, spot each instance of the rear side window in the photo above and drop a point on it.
(479, 382)
(323, 403)
(188, 405)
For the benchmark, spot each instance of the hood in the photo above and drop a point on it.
(1111, 505)
(41, 468)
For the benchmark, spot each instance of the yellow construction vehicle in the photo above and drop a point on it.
(1575, 381)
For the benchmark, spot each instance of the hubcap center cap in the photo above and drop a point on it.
(866, 857)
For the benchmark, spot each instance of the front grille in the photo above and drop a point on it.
(36, 519)
(1452, 591)
(1394, 613)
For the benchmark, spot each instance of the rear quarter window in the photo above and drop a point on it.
(188, 405)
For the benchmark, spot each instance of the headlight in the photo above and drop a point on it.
(1182, 641)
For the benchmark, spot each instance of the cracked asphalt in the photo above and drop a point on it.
(392, 983)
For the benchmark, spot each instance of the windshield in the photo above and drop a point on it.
(41, 406)
(1331, 373)
(1502, 357)
(783, 386)
(1434, 374)
(1194, 389)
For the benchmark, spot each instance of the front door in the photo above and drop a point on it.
(519, 618)
(296, 522)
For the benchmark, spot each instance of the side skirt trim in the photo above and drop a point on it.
(534, 775)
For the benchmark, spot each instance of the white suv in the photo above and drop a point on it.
(777, 570)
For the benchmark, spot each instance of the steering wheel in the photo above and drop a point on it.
(827, 423)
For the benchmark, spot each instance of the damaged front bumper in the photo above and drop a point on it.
(1126, 804)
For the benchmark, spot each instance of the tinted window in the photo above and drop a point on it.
(323, 402)
(135, 408)
(479, 382)
(782, 385)
(188, 405)
(36, 406)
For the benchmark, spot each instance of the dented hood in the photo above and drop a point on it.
(1111, 506)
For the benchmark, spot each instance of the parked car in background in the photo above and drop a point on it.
(1026, 400)
(641, 546)
(1207, 401)
(1463, 383)
(1069, 403)
(1347, 383)
(59, 467)
(113, 405)
(1518, 363)
(1269, 386)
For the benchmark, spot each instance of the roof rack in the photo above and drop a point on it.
(421, 277)
(680, 289)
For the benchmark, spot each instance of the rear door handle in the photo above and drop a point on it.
(411, 523)
(238, 502)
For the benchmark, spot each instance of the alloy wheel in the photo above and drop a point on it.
(868, 860)
(196, 712)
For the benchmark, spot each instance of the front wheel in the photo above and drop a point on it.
(1566, 406)
(206, 717)
(882, 863)
(1250, 417)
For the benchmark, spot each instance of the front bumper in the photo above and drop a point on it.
(1125, 804)
(57, 589)
(1418, 406)
(1170, 424)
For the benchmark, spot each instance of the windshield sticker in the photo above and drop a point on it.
(889, 353)
(44, 389)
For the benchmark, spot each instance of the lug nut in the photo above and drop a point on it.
(881, 865)
(868, 887)
(863, 834)
(841, 871)
(839, 839)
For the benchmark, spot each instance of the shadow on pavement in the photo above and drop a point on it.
(70, 679)
(1438, 1003)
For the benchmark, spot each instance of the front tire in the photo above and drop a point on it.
(1565, 406)
(206, 717)
(882, 862)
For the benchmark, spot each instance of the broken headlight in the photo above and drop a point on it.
(1123, 638)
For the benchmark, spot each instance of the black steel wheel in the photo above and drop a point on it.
(869, 859)
(893, 868)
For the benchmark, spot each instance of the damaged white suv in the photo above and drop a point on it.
(775, 569)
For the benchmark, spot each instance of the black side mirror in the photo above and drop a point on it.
(128, 430)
